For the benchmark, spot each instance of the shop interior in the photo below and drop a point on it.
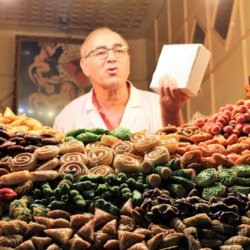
(221, 26)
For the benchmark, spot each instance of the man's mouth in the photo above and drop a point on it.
(112, 69)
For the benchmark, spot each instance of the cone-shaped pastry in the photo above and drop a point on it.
(127, 239)
(78, 243)
(62, 236)
(41, 243)
(86, 232)
(102, 217)
(110, 227)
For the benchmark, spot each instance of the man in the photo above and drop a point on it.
(113, 100)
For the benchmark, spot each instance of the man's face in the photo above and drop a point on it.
(108, 71)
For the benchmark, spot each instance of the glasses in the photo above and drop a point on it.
(102, 52)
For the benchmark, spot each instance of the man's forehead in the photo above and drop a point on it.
(105, 38)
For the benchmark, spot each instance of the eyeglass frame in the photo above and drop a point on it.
(121, 46)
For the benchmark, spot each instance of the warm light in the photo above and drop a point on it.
(21, 110)
(50, 114)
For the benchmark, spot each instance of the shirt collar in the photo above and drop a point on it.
(134, 98)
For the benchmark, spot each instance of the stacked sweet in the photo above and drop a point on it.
(180, 188)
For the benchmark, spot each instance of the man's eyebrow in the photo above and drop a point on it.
(115, 44)
(101, 47)
(118, 44)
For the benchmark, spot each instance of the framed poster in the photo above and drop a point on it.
(48, 76)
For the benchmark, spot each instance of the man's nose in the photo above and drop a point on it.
(111, 55)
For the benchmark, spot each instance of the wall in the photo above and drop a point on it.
(189, 21)
(175, 21)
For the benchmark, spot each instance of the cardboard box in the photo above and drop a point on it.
(186, 63)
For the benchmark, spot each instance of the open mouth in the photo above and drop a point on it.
(112, 70)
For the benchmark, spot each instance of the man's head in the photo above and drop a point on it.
(105, 59)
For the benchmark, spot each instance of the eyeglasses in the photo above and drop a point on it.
(102, 52)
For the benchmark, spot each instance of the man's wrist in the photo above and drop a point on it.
(173, 118)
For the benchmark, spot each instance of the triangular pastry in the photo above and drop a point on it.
(77, 243)
(112, 245)
(41, 243)
(127, 239)
(101, 238)
(102, 217)
(61, 235)
(86, 232)
(78, 220)
(110, 227)
(26, 245)
(138, 246)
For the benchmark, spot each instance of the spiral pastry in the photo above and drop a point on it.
(72, 146)
(103, 170)
(188, 130)
(138, 136)
(73, 156)
(23, 161)
(75, 168)
(170, 129)
(206, 177)
(158, 155)
(100, 156)
(123, 147)
(127, 163)
(227, 177)
(47, 152)
(92, 145)
(147, 143)
(216, 190)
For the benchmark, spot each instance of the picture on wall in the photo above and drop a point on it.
(48, 76)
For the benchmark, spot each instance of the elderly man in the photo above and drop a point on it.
(113, 100)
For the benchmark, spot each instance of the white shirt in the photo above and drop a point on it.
(142, 112)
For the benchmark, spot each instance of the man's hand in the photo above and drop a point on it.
(172, 100)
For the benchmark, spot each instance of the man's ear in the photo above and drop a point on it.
(84, 66)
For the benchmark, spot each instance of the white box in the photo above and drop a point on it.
(186, 63)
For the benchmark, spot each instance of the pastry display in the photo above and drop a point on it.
(184, 187)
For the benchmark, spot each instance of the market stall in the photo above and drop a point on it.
(182, 187)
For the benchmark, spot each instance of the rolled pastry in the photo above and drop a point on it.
(103, 170)
(109, 140)
(158, 155)
(127, 163)
(44, 175)
(15, 178)
(47, 152)
(49, 165)
(76, 168)
(73, 156)
(23, 161)
(123, 147)
(92, 145)
(72, 146)
(147, 143)
(100, 156)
